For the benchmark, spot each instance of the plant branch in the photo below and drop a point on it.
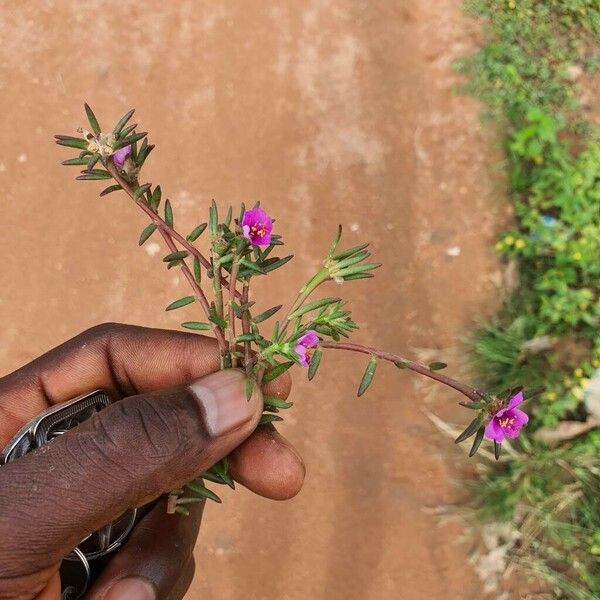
(471, 393)
(160, 222)
(168, 238)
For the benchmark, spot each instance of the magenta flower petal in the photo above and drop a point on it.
(310, 339)
(305, 342)
(508, 421)
(493, 431)
(257, 226)
(121, 154)
(303, 356)
(515, 400)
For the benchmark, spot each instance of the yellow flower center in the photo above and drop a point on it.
(258, 230)
(504, 423)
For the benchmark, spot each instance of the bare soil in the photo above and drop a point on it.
(327, 112)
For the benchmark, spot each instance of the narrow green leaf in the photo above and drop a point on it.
(358, 276)
(197, 270)
(437, 366)
(269, 419)
(312, 306)
(335, 242)
(349, 252)
(155, 198)
(315, 361)
(181, 302)
(249, 386)
(127, 131)
(199, 489)
(123, 121)
(229, 216)
(148, 231)
(94, 175)
(143, 154)
(197, 326)
(168, 214)
(252, 266)
(263, 316)
(213, 220)
(276, 402)
(93, 161)
(277, 371)
(477, 441)
(189, 500)
(179, 255)
(196, 232)
(79, 161)
(131, 139)
(139, 192)
(111, 188)
(275, 263)
(360, 268)
(72, 142)
(497, 449)
(470, 430)
(402, 364)
(368, 376)
(246, 337)
(92, 118)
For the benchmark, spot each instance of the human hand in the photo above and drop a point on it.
(176, 416)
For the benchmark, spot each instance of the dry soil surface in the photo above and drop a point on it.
(327, 111)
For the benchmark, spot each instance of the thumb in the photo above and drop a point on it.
(125, 456)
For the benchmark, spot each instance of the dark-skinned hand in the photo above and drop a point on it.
(176, 415)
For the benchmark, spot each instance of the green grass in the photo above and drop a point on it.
(527, 73)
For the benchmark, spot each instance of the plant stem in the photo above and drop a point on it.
(471, 393)
(246, 324)
(167, 236)
(235, 267)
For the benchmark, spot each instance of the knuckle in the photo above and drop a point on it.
(105, 330)
(147, 429)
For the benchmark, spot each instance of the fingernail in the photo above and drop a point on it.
(222, 397)
(131, 588)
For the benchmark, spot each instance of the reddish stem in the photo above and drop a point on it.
(166, 235)
(469, 392)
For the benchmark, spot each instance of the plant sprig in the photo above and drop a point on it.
(240, 249)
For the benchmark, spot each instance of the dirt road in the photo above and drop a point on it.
(328, 112)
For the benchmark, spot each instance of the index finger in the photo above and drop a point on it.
(125, 360)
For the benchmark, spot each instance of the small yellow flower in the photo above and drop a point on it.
(585, 382)
(551, 396)
(577, 392)
(596, 363)
(512, 4)
(577, 255)
(499, 245)
(509, 240)
(520, 244)
(578, 372)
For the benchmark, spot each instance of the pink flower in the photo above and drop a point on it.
(257, 226)
(120, 155)
(304, 344)
(507, 422)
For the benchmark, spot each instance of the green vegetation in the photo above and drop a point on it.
(528, 72)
